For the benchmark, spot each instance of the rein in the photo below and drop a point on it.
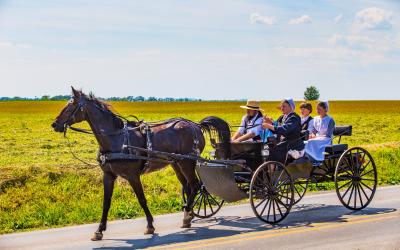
(90, 165)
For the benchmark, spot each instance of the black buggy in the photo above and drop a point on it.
(243, 171)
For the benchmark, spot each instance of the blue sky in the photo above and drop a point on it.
(205, 49)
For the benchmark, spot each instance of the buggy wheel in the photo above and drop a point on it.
(271, 192)
(300, 189)
(355, 178)
(205, 204)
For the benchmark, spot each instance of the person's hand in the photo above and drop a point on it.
(312, 135)
(267, 125)
(268, 120)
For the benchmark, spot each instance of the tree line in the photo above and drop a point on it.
(127, 98)
(311, 93)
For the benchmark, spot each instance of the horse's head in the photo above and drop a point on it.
(72, 113)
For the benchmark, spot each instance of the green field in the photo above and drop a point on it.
(42, 185)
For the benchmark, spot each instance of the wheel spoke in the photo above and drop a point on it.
(286, 181)
(347, 190)
(283, 196)
(277, 180)
(262, 211)
(297, 191)
(372, 170)
(365, 166)
(273, 209)
(209, 204)
(355, 195)
(215, 202)
(195, 202)
(351, 194)
(364, 179)
(205, 205)
(348, 163)
(347, 183)
(365, 185)
(279, 209)
(359, 195)
(279, 201)
(261, 202)
(366, 196)
(201, 201)
(269, 208)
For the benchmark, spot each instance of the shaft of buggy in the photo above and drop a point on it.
(186, 156)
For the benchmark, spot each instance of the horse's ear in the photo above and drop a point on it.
(75, 92)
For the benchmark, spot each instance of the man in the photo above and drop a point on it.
(251, 126)
(288, 131)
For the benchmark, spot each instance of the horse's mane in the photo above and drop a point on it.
(117, 119)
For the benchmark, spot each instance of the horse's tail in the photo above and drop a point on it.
(217, 129)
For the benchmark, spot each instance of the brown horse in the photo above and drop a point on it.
(113, 132)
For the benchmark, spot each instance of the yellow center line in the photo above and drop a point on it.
(278, 232)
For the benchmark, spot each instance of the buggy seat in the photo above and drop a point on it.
(339, 131)
(249, 151)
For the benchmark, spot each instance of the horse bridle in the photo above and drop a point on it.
(71, 118)
(80, 106)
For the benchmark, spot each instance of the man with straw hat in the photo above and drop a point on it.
(251, 126)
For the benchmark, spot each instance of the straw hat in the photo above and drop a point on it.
(252, 105)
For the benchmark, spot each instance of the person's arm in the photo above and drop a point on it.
(269, 126)
(311, 129)
(236, 135)
(245, 137)
(240, 130)
(331, 127)
(288, 127)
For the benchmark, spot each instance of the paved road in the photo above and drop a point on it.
(318, 222)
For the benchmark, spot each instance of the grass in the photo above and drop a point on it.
(42, 185)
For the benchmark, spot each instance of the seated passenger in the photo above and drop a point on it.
(251, 126)
(321, 133)
(305, 110)
(288, 131)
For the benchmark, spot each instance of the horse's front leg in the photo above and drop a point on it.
(108, 184)
(134, 181)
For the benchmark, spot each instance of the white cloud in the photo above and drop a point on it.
(301, 20)
(352, 41)
(338, 18)
(373, 18)
(267, 20)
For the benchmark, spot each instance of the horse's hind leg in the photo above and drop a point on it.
(108, 184)
(182, 180)
(188, 171)
(134, 181)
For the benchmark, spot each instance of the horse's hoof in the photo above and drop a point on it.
(186, 225)
(188, 215)
(149, 230)
(97, 236)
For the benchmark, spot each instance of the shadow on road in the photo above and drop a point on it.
(301, 215)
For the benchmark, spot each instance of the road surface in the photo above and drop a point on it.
(317, 222)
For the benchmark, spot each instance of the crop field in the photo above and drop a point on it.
(42, 185)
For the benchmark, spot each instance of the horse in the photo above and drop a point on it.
(113, 133)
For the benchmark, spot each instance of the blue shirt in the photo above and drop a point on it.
(254, 125)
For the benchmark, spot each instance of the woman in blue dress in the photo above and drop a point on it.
(321, 133)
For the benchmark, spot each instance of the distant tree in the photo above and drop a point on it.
(311, 93)
(45, 97)
(139, 99)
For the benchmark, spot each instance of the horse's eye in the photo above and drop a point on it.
(71, 101)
